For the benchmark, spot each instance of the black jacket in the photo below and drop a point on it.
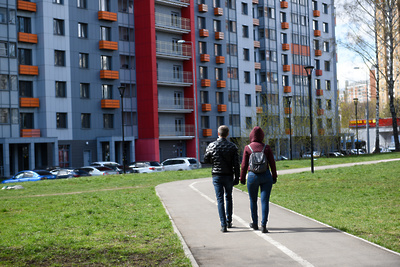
(223, 155)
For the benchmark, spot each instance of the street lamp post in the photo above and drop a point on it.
(289, 100)
(309, 70)
(355, 105)
(367, 109)
(196, 137)
(121, 93)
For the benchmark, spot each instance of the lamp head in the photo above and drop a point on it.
(181, 41)
(121, 90)
(309, 70)
(355, 100)
(289, 99)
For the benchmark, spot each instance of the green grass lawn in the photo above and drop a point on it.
(119, 220)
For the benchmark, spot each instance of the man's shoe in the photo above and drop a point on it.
(223, 229)
(229, 225)
(254, 226)
(264, 229)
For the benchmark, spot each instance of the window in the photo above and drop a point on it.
(4, 115)
(329, 123)
(232, 26)
(178, 125)
(232, 73)
(12, 47)
(247, 100)
(59, 58)
(327, 66)
(126, 34)
(81, 4)
(231, 4)
(233, 96)
(61, 119)
(203, 97)
(315, 5)
(105, 33)
(219, 98)
(249, 123)
(329, 104)
(107, 91)
(26, 120)
(85, 120)
(270, 34)
(3, 15)
(245, 9)
(283, 16)
(205, 122)
(303, 20)
(58, 27)
(58, 2)
(247, 76)
(104, 5)
(61, 90)
(3, 49)
(285, 59)
(217, 25)
(203, 71)
(326, 46)
(220, 121)
(108, 121)
(315, 25)
(325, 8)
(105, 62)
(202, 48)
(328, 85)
(83, 60)
(218, 74)
(316, 44)
(234, 120)
(3, 82)
(246, 54)
(285, 80)
(271, 13)
(295, 18)
(296, 38)
(177, 72)
(84, 90)
(178, 98)
(25, 88)
(317, 84)
(82, 30)
(284, 38)
(245, 31)
(231, 49)
(24, 24)
(217, 50)
(216, 3)
(325, 27)
(201, 21)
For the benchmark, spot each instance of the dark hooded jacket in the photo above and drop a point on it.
(256, 142)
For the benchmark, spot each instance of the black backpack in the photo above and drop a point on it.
(257, 161)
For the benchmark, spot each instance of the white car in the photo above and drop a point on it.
(100, 170)
(181, 164)
(145, 167)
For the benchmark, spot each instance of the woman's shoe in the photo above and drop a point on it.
(254, 226)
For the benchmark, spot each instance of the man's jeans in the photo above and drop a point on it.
(224, 184)
(263, 181)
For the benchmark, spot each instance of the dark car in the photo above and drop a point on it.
(30, 176)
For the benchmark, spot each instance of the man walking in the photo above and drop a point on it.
(223, 155)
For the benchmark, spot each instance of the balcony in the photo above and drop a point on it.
(287, 89)
(205, 58)
(108, 45)
(220, 59)
(285, 25)
(257, 44)
(109, 74)
(256, 22)
(318, 72)
(175, 105)
(29, 102)
(285, 47)
(258, 88)
(105, 15)
(203, 8)
(286, 68)
(317, 33)
(221, 84)
(207, 132)
(219, 36)
(30, 133)
(177, 24)
(203, 33)
(320, 92)
(318, 53)
(26, 6)
(321, 131)
(171, 50)
(316, 13)
(109, 103)
(218, 11)
(320, 112)
(28, 70)
(27, 37)
(284, 4)
(206, 107)
(169, 77)
(176, 132)
(174, 3)
(287, 131)
(221, 108)
(205, 83)
(257, 65)
(259, 110)
(288, 110)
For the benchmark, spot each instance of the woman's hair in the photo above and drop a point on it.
(223, 131)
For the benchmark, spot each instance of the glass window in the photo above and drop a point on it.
(219, 98)
(81, 4)
(326, 46)
(24, 24)
(3, 82)
(325, 8)
(328, 85)
(232, 73)
(25, 88)
(205, 122)
(245, 9)
(218, 74)
(247, 100)
(217, 50)
(108, 121)
(85, 120)
(3, 15)
(249, 123)
(202, 47)
(247, 76)
(82, 30)
(203, 97)
(61, 119)
(217, 25)
(105, 62)
(3, 49)
(26, 120)
(327, 65)
(107, 91)
(58, 2)
(83, 60)
(201, 21)
(234, 120)
(105, 33)
(325, 27)
(245, 31)
(232, 26)
(58, 27)
(59, 58)
(246, 54)
(104, 5)
(233, 96)
(203, 71)
(61, 90)
(12, 49)
(220, 121)
(84, 90)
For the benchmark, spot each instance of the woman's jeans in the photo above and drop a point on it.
(263, 181)
(224, 184)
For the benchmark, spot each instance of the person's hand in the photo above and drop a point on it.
(275, 179)
(243, 182)
(236, 181)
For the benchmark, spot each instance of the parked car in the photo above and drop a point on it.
(316, 154)
(145, 167)
(181, 164)
(30, 176)
(110, 164)
(98, 171)
(70, 173)
(354, 151)
(383, 150)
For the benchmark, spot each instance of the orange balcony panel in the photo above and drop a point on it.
(287, 131)
(320, 92)
(286, 67)
(221, 108)
(318, 72)
(203, 33)
(203, 8)
(204, 57)
(29, 102)
(316, 13)
(105, 15)
(109, 74)
(220, 59)
(257, 44)
(30, 133)
(254, 1)
(321, 131)
(258, 88)
(221, 84)
(27, 6)
(28, 70)
(284, 4)
(287, 89)
(27, 37)
(320, 112)
(109, 103)
(257, 65)
(259, 110)
(108, 45)
(317, 33)
(285, 47)
(207, 132)
(218, 11)
(288, 110)
(256, 22)
(219, 36)
(318, 53)
(206, 107)
(285, 25)
(205, 82)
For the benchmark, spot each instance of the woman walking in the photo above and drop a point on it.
(258, 177)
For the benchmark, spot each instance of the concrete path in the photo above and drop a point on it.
(294, 240)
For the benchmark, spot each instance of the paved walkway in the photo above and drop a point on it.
(294, 240)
